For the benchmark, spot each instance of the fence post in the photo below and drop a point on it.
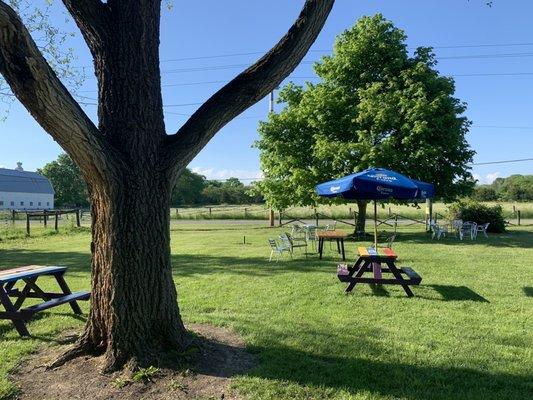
(13, 216)
(390, 212)
(429, 214)
(280, 212)
(245, 213)
(45, 218)
(28, 224)
(271, 217)
(177, 213)
(210, 211)
(78, 222)
(518, 216)
(55, 222)
(316, 217)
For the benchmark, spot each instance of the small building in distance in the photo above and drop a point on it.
(24, 190)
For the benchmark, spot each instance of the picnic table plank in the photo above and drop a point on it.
(15, 274)
(55, 302)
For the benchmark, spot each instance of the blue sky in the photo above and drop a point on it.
(500, 106)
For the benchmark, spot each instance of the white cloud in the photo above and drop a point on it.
(243, 174)
(486, 179)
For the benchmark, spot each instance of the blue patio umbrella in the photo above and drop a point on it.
(425, 190)
(376, 184)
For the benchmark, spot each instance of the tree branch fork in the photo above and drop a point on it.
(35, 84)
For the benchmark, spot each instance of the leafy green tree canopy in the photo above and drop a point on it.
(512, 188)
(188, 188)
(67, 180)
(376, 106)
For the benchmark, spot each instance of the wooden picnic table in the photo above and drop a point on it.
(336, 235)
(371, 260)
(27, 277)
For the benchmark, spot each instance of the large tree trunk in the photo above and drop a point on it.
(129, 162)
(134, 315)
(134, 311)
(361, 216)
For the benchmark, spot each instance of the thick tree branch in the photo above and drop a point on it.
(92, 17)
(247, 88)
(38, 88)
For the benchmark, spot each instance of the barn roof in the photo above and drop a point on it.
(24, 182)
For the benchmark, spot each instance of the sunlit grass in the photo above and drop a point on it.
(466, 335)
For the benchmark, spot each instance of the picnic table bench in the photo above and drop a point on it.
(371, 260)
(28, 275)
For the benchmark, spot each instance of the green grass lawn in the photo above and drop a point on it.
(468, 333)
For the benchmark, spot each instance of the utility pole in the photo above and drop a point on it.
(271, 216)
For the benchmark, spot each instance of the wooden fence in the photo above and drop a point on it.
(44, 215)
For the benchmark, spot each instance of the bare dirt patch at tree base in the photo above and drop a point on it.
(220, 355)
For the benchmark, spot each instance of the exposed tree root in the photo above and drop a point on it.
(115, 360)
(79, 349)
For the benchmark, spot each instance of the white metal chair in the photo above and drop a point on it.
(483, 229)
(310, 235)
(292, 243)
(388, 242)
(296, 229)
(468, 228)
(437, 231)
(277, 250)
(456, 225)
(331, 227)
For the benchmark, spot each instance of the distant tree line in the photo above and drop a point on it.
(194, 189)
(512, 188)
(191, 188)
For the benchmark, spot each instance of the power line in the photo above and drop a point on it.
(481, 56)
(465, 46)
(315, 77)
(494, 74)
(503, 162)
(503, 127)
(235, 66)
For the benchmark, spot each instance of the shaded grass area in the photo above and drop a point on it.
(466, 335)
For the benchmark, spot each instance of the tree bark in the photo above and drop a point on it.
(134, 313)
(361, 216)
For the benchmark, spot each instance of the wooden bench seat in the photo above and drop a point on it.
(56, 302)
(413, 276)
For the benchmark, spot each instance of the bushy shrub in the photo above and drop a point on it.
(479, 213)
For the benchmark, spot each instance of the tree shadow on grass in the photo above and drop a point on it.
(182, 264)
(75, 261)
(7, 328)
(528, 291)
(392, 379)
(456, 293)
(512, 239)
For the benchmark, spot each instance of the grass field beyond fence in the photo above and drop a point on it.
(468, 333)
(260, 212)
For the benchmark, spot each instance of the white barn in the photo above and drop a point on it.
(24, 190)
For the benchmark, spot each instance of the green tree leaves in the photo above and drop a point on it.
(68, 183)
(375, 106)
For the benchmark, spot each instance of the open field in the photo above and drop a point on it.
(468, 333)
(344, 211)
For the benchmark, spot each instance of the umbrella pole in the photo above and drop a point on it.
(375, 225)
